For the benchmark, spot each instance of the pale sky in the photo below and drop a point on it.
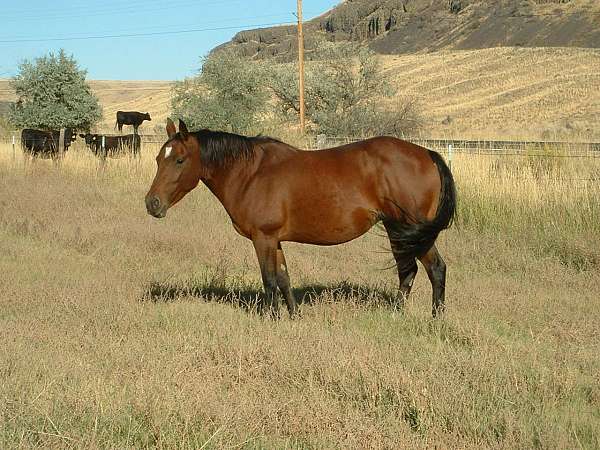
(171, 35)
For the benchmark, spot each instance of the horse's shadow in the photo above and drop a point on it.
(248, 297)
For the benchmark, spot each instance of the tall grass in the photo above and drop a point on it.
(543, 202)
(121, 331)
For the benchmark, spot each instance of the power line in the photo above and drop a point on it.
(196, 30)
(84, 5)
(131, 7)
(179, 26)
(157, 33)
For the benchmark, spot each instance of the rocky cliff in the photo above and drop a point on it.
(403, 26)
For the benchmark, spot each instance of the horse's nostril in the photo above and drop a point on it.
(152, 204)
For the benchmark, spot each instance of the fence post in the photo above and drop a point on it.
(61, 143)
(321, 141)
(13, 145)
(450, 156)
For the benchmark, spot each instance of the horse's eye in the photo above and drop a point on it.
(179, 160)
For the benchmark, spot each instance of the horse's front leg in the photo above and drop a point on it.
(266, 251)
(283, 281)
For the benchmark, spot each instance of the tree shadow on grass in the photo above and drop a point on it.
(248, 297)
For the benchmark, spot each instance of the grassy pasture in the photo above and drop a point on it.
(121, 331)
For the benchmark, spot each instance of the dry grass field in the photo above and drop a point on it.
(118, 330)
(498, 93)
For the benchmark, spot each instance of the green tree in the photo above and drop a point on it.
(52, 94)
(228, 94)
(346, 94)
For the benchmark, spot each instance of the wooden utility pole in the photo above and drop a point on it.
(301, 64)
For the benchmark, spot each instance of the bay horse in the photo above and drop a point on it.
(274, 193)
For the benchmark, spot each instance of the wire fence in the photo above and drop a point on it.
(553, 149)
(450, 148)
(534, 159)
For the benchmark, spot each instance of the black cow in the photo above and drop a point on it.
(113, 146)
(131, 118)
(44, 144)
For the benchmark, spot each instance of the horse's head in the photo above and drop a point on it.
(178, 172)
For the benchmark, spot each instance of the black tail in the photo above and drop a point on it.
(413, 237)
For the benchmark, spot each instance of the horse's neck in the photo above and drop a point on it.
(228, 183)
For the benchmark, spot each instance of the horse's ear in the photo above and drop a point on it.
(171, 131)
(183, 131)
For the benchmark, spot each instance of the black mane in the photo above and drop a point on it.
(220, 149)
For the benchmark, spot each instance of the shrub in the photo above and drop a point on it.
(52, 94)
(227, 95)
(345, 95)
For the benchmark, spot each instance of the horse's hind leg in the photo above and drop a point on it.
(283, 281)
(406, 278)
(436, 270)
(407, 270)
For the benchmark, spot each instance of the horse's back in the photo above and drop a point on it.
(385, 167)
(378, 150)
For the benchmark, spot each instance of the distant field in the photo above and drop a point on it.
(500, 93)
(118, 330)
(505, 93)
(144, 96)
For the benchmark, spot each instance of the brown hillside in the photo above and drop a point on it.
(543, 93)
(520, 93)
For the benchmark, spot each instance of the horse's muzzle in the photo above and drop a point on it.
(155, 207)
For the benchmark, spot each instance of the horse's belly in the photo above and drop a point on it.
(325, 227)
